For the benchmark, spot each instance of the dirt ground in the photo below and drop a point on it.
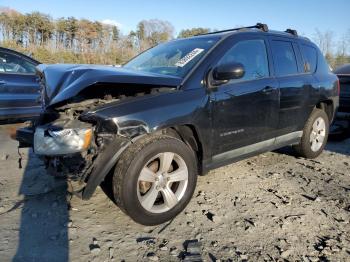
(273, 207)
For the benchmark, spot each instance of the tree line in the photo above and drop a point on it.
(71, 40)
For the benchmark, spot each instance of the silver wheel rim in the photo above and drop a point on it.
(318, 134)
(162, 182)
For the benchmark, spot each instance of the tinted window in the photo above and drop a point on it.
(310, 58)
(284, 58)
(14, 64)
(252, 55)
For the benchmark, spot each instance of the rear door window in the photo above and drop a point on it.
(284, 58)
(310, 58)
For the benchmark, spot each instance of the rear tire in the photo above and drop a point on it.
(154, 179)
(315, 135)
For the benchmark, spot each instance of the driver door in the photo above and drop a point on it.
(245, 111)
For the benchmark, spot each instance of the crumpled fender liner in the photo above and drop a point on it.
(103, 165)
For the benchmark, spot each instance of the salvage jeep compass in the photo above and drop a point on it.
(178, 110)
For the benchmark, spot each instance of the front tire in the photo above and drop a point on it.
(315, 135)
(155, 179)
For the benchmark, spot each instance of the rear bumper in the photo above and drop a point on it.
(25, 137)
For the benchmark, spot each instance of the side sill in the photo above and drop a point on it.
(252, 150)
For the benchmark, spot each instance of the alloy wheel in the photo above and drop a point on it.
(162, 182)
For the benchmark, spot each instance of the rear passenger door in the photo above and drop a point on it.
(295, 85)
(19, 88)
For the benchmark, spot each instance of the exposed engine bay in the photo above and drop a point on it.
(91, 114)
(70, 137)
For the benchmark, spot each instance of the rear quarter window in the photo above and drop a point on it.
(322, 65)
(310, 58)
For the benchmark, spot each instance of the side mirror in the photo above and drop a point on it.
(226, 72)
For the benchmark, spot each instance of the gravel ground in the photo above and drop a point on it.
(273, 207)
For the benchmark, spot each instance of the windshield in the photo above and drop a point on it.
(174, 58)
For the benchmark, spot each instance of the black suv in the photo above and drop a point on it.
(341, 127)
(178, 110)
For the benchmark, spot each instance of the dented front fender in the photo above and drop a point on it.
(147, 114)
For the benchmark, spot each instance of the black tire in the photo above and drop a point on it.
(129, 166)
(303, 149)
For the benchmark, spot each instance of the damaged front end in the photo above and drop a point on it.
(72, 148)
(77, 143)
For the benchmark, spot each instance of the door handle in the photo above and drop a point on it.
(268, 89)
(2, 82)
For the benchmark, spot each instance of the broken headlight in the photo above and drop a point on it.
(51, 141)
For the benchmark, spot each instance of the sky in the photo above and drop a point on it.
(303, 15)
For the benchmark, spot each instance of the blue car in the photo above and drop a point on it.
(19, 88)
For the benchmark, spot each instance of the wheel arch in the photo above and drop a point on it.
(189, 135)
(109, 158)
(327, 106)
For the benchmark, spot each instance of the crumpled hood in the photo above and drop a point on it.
(64, 81)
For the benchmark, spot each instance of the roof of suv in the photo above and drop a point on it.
(258, 28)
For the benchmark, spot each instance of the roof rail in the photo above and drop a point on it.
(291, 31)
(262, 27)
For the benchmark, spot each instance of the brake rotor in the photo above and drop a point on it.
(144, 186)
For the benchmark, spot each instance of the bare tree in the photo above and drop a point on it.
(324, 40)
(155, 31)
(343, 46)
(347, 37)
(193, 31)
(68, 39)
